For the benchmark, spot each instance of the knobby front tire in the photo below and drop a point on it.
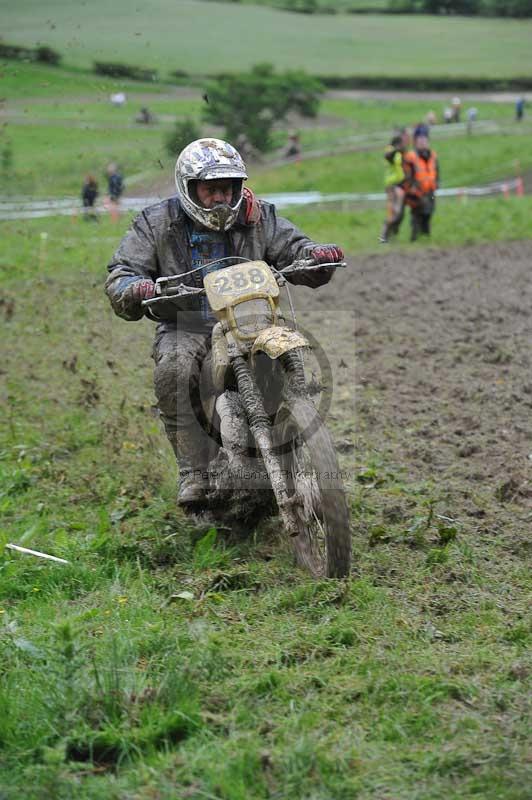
(310, 465)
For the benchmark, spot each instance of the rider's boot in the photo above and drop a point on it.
(192, 490)
(193, 469)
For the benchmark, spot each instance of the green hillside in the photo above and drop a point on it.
(201, 37)
(164, 662)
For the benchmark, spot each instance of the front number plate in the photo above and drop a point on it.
(225, 285)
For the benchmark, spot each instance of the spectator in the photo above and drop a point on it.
(293, 149)
(394, 186)
(144, 117)
(447, 115)
(422, 177)
(89, 193)
(519, 109)
(421, 129)
(431, 118)
(115, 188)
(406, 138)
(471, 118)
(456, 108)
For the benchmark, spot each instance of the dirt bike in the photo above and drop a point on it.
(269, 444)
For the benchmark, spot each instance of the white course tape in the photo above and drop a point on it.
(27, 208)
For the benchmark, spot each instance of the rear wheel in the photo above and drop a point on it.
(310, 466)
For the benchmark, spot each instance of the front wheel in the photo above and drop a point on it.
(313, 479)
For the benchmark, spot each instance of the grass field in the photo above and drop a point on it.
(168, 663)
(455, 224)
(161, 664)
(50, 160)
(165, 36)
(70, 129)
(469, 162)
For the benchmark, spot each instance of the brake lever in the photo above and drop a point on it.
(174, 293)
(306, 265)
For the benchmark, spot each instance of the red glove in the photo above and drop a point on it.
(327, 254)
(142, 290)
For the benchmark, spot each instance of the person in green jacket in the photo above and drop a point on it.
(394, 184)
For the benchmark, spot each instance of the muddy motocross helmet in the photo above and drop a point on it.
(207, 160)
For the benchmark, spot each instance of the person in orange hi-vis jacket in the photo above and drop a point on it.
(422, 180)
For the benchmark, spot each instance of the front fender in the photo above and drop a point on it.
(276, 340)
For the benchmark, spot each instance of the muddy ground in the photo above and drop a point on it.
(432, 356)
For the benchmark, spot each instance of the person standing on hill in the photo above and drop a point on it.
(89, 193)
(115, 188)
(394, 186)
(456, 108)
(293, 149)
(421, 182)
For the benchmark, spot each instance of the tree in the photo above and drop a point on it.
(250, 104)
(183, 132)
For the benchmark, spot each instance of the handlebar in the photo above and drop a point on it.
(172, 287)
(307, 264)
(169, 289)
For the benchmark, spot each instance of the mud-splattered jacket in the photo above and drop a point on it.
(157, 245)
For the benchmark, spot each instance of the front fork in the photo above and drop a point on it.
(260, 426)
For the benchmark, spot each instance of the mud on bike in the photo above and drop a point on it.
(269, 445)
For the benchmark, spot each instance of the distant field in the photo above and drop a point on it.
(215, 37)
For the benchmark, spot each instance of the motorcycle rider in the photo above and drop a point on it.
(211, 217)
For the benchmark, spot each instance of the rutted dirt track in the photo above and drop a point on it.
(434, 349)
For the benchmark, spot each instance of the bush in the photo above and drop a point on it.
(180, 74)
(302, 6)
(488, 8)
(118, 70)
(47, 55)
(184, 132)
(250, 104)
(16, 52)
(508, 8)
(433, 83)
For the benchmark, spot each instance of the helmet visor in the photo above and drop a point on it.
(214, 171)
